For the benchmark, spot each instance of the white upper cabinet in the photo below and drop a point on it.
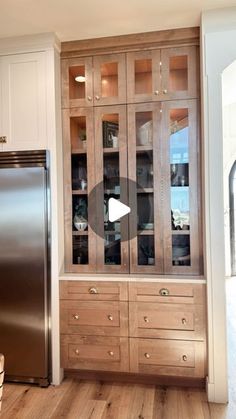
(23, 123)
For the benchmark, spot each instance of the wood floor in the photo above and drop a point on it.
(76, 399)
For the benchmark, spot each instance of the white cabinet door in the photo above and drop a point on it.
(23, 109)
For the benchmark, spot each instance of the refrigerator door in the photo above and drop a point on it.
(23, 272)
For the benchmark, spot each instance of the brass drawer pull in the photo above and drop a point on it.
(185, 358)
(97, 97)
(77, 351)
(76, 316)
(156, 92)
(110, 317)
(93, 290)
(89, 98)
(184, 321)
(165, 91)
(111, 353)
(147, 355)
(146, 319)
(3, 139)
(164, 291)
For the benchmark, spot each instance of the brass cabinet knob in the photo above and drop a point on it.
(156, 92)
(77, 351)
(111, 353)
(184, 358)
(146, 319)
(165, 91)
(147, 355)
(164, 291)
(93, 290)
(89, 98)
(76, 316)
(3, 139)
(110, 317)
(184, 321)
(97, 97)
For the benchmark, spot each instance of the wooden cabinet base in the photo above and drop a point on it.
(136, 378)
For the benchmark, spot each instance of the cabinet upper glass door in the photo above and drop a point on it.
(181, 208)
(109, 79)
(77, 82)
(111, 179)
(144, 188)
(143, 76)
(179, 73)
(79, 181)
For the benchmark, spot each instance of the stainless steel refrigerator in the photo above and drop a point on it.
(25, 266)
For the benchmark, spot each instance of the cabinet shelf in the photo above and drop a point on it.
(79, 151)
(110, 150)
(80, 233)
(79, 192)
(180, 232)
(141, 148)
(145, 190)
(145, 232)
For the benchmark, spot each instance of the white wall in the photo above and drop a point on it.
(218, 34)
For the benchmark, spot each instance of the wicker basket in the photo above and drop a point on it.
(1, 377)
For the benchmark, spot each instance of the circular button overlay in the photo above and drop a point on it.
(126, 208)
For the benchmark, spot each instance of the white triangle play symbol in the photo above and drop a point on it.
(116, 210)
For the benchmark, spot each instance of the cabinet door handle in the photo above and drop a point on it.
(76, 316)
(185, 358)
(165, 91)
(3, 139)
(184, 321)
(164, 291)
(111, 353)
(93, 290)
(147, 355)
(146, 319)
(97, 97)
(89, 98)
(77, 351)
(156, 92)
(110, 317)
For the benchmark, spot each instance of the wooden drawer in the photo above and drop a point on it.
(163, 292)
(171, 321)
(94, 318)
(167, 357)
(94, 290)
(94, 353)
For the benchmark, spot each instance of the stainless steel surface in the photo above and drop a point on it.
(24, 316)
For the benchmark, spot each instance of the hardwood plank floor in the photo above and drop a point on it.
(77, 399)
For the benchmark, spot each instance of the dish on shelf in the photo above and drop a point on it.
(144, 134)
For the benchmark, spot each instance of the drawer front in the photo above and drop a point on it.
(174, 321)
(94, 291)
(94, 353)
(94, 318)
(167, 292)
(167, 357)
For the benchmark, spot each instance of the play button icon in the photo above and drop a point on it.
(117, 209)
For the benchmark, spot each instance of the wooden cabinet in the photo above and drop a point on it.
(23, 124)
(131, 132)
(157, 75)
(158, 328)
(94, 81)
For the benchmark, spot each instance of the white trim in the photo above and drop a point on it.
(218, 50)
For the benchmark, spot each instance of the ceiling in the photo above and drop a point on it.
(77, 19)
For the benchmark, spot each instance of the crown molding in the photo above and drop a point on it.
(29, 43)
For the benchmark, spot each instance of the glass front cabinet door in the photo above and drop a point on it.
(144, 152)
(111, 181)
(159, 75)
(79, 180)
(181, 204)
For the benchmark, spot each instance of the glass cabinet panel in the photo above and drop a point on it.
(181, 149)
(79, 173)
(111, 154)
(77, 82)
(109, 79)
(144, 193)
(179, 73)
